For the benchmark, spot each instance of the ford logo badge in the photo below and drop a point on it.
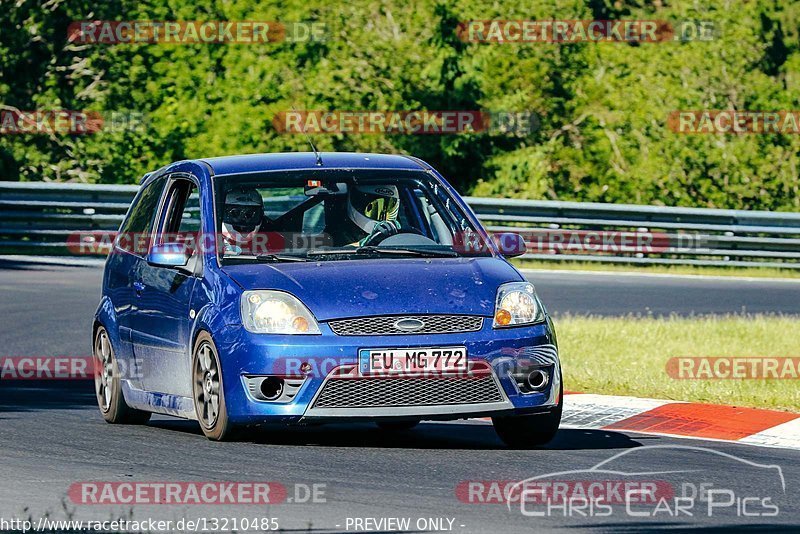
(409, 325)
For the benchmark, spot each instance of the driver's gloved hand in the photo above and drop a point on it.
(381, 231)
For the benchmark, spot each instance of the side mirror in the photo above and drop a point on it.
(169, 255)
(510, 245)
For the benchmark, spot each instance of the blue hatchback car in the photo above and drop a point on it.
(309, 288)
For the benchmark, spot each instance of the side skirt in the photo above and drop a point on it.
(162, 403)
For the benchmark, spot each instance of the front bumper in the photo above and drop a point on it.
(497, 351)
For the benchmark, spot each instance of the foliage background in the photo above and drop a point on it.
(603, 107)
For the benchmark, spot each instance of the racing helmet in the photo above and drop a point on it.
(242, 216)
(369, 204)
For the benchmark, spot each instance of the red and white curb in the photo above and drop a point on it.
(752, 426)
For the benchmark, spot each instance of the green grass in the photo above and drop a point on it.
(628, 356)
(755, 272)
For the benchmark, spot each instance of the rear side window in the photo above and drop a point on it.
(139, 223)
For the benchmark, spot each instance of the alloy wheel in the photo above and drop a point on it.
(104, 370)
(206, 381)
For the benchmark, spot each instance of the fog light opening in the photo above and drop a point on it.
(538, 379)
(271, 387)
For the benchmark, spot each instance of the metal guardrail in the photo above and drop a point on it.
(683, 236)
(38, 218)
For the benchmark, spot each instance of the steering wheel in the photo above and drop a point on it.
(386, 229)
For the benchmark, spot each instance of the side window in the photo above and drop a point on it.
(407, 216)
(439, 228)
(314, 220)
(138, 225)
(190, 218)
(180, 218)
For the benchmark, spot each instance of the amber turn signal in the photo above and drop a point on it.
(300, 324)
(502, 317)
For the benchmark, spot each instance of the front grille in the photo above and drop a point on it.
(390, 392)
(385, 325)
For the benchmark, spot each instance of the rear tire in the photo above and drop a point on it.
(530, 431)
(397, 426)
(108, 387)
(208, 392)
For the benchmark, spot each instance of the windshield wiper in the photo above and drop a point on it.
(422, 252)
(276, 258)
(375, 251)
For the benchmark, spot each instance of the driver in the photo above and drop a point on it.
(242, 217)
(374, 209)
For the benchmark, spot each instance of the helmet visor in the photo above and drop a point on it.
(242, 215)
(382, 209)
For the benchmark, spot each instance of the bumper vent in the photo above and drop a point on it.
(291, 386)
(379, 392)
(406, 325)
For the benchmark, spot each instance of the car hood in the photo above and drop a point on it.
(354, 288)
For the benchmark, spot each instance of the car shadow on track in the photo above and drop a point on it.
(455, 435)
(36, 395)
(31, 396)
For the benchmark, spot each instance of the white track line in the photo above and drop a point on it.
(56, 260)
(627, 274)
(785, 435)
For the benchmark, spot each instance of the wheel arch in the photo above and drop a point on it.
(106, 317)
(207, 320)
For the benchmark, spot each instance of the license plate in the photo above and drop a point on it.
(416, 360)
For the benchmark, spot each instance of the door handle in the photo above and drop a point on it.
(138, 287)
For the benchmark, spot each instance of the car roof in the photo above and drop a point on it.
(307, 160)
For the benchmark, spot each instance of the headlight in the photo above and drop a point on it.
(276, 312)
(517, 304)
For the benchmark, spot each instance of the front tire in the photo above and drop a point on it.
(207, 390)
(530, 431)
(108, 387)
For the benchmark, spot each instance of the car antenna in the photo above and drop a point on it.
(316, 154)
(313, 148)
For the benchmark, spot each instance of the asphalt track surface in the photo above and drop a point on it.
(52, 436)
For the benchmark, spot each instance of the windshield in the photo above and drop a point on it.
(333, 215)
